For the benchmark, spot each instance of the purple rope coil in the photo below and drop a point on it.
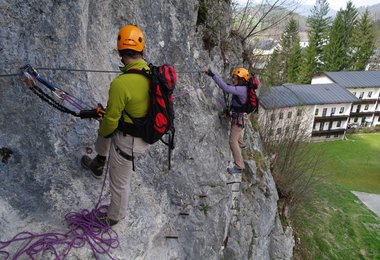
(86, 227)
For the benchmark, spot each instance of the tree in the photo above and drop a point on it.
(272, 73)
(308, 66)
(339, 51)
(285, 56)
(294, 162)
(350, 15)
(334, 54)
(363, 42)
(319, 25)
(294, 64)
(250, 21)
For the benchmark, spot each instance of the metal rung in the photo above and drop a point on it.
(171, 237)
(232, 182)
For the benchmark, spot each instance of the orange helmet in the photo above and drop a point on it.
(242, 73)
(130, 37)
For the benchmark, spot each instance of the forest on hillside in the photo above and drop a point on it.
(284, 46)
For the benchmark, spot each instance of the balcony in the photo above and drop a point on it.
(329, 131)
(366, 101)
(361, 113)
(334, 117)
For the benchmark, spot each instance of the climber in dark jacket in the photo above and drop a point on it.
(238, 89)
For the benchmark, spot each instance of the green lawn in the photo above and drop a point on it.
(354, 163)
(336, 225)
(339, 226)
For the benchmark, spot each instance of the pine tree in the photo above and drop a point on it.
(308, 64)
(338, 54)
(279, 62)
(294, 63)
(363, 42)
(350, 15)
(319, 24)
(334, 54)
(272, 72)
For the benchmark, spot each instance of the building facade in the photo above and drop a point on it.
(365, 85)
(323, 110)
(331, 104)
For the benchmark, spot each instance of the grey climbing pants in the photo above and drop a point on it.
(120, 169)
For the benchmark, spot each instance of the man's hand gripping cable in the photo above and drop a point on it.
(29, 76)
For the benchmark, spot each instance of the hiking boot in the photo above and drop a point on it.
(96, 165)
(234, 170)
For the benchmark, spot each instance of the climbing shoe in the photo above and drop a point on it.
(234, 170)
(105, 221)
(96, 165)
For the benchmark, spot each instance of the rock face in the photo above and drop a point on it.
(193, 211)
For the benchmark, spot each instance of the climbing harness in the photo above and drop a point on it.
(56, 97)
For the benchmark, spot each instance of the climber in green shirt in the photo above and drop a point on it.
(128, 95)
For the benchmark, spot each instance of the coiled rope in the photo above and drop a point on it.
(86, 227)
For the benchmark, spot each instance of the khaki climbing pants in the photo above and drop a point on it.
(120, 169)
(236, 141)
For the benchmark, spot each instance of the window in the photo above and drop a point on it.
(321, 126)
(366, 107)
(341, 110)
(333, 110)
(361, 95)
(356, 120)
(324, 112)
(289, 114)
(287, 130)
(278, 131)
(299, 112)
(315, 125)
(338, 123)
(316, 111)
(272, 117)
(369, 94)
(281, 116)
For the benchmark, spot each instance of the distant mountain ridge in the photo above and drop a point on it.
(374, 10)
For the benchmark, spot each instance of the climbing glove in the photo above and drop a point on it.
(209, 73)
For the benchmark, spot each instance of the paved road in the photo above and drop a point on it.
(372, 201)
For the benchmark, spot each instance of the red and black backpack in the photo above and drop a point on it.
(252, 102)
(160, 117)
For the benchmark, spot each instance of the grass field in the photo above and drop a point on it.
(336, 225)
(354, 163)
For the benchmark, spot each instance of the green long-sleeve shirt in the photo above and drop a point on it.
(127, 92)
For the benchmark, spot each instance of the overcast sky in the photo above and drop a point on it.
(337, 4)
(334, 4)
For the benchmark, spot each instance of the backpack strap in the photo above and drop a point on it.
(134, 128)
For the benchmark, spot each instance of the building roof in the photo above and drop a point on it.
(299, 95)
(355, 79)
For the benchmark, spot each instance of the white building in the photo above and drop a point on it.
(365, 85)
(320, 110)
